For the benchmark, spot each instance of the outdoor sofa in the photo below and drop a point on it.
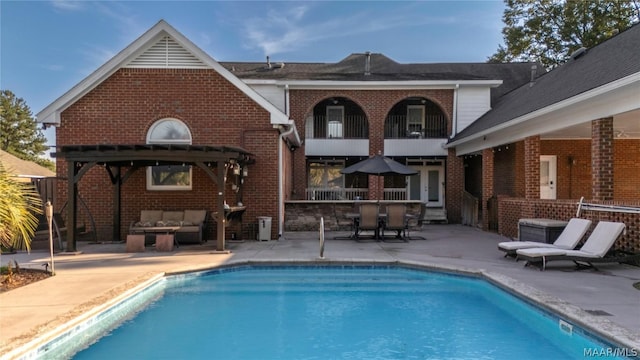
(189, 224)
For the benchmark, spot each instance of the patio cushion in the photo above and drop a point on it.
(172, 217)
(150, 216)
(194, 217)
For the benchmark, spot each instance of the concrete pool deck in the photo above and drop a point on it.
(104, 271)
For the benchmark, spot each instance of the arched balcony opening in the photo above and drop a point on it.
(337, 118)
(415, 118)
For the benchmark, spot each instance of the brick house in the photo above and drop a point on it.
(572, 132)
(301, 123)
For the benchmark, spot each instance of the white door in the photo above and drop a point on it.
(548, 177)
(427, 185)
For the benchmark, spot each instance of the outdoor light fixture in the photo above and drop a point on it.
(236, 169)
(245, 171)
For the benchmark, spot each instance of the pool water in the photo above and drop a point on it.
(337, 313)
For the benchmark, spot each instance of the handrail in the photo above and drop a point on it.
(321, 237)
(469, 209)
(602, 207)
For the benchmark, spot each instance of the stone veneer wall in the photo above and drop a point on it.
(305, 215)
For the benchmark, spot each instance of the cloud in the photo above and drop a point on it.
(127, 23)
(294, 28)
(53, 67)
(95, 56)
(65, 5)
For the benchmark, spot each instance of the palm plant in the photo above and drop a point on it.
(19, 204)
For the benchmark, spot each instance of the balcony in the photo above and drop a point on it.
(397, 127)
(331, 138)
(352, 127)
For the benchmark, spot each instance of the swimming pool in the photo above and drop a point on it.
(319, 312)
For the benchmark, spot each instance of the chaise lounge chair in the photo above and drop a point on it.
(594, 249)
(568, 239)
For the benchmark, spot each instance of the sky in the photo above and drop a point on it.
(47, 47)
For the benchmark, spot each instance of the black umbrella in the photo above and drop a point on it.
(379, 165)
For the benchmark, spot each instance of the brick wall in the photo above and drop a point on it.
(376, 104)
(487, 185)
(454, 186)
(602, 159)
(122, 108)
(626, 169)
(573, 166)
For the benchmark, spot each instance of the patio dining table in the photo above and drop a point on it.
(382, 217)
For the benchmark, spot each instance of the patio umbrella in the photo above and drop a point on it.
(379, 165)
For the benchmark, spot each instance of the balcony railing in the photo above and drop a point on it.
(352, 127)
(352, 194)
(396, 127)
(336, 193)
(395, 194)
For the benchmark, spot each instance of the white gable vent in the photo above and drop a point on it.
(166, 53)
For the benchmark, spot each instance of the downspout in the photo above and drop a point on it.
(454, 121)
(281, 140)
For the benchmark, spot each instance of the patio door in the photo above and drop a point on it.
(427, 185)
(548, 177)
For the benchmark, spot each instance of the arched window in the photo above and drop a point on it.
(169, 177)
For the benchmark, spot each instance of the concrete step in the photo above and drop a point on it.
(435, 215)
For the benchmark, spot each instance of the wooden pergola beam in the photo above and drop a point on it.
(81, 158)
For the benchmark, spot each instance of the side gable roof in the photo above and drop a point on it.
(612, 63)
(160, 46)
(501, 77)
(23, 169)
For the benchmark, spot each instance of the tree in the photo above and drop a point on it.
(19, 133)
(19, 202)
(548, 31)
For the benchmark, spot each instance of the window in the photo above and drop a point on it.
(325, 180)
(169, 177)
(415, 120)
(335, 115)
(326, 174)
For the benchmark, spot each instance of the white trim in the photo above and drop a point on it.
(152, 187)
(51, 113)
(168, 141)
(381, 85)
(149, 170)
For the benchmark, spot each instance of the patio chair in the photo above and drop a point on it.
(568, 239)
(594, 249)
(396, 220)
(369, 219)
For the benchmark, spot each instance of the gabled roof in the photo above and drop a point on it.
(613, 63)
(504, 77)
(23, 169)
(161, 46)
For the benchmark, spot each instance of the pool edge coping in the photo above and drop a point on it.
(601, 327)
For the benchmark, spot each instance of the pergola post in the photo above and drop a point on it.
(220, 205)
(117, 190)
(72, 196)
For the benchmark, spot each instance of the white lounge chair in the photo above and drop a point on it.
(568, 239)
(594, 249)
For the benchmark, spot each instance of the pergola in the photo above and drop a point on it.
(120, 161)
